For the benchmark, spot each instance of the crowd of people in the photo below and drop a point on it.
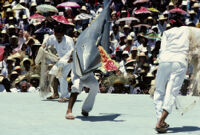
(136, 28)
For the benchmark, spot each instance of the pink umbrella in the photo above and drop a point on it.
(60, 18)
(177, 10)
(140, 25)
(37, 16)
(68, 4)
(142, 10)
(1, 52)
(140, 1)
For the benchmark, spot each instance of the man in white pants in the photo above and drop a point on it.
(171, 71)
(78, 83)
(64, 46)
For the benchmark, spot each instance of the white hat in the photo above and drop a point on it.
(184, 2)
(129, 38)
(192, 12)
(171, 4)
(84, 8)
(196, 5)
(24, 17)
(22, 1)
(33, 4)
(125, 52)
(162, 17)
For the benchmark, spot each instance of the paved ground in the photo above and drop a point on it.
(28, 114)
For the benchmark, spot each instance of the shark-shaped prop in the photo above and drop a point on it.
(86, 55)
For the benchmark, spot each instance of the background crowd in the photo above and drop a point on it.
(136, 28)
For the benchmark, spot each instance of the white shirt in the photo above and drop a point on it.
(175, 45)
(63, 47)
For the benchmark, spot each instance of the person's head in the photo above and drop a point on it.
(59, 32)
(24, 86)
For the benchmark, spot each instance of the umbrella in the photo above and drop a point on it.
(37, 16)
(127, 20)
(177, 10)
(83, 16)
(1, 52)
(140, 25)
(45, 8)
(68, 4)
(154, 10)
(61, 19)
(18, 7)
(142, 10)
(140, 1)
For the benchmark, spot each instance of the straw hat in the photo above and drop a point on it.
(84, 8)
(130, 68)
(10, 58)
(130, 62)
(3, 32)
(113, 12)
(10, 18)
(14, 73)
(6, 4)
(14, 37)
(24, 17)
(162, 17)
(129, 38)
(22, 1)
(11, 27)
(168, 25)
(118, 81)
(192, 12)
(8, 10)
(26, 59)
(149, 75)
(126, 27)
(149, 18)
(125, 53)
(35, 76)
(171, 4)
(196, 5)
(33, 4)
(184, 3)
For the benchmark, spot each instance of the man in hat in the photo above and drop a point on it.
(173, 62)
(64, 46)
(161, 24)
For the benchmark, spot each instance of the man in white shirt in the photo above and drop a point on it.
(64, 46)
(173, 61)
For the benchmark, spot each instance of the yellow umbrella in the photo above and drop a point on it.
(154, 10)
(18, 7)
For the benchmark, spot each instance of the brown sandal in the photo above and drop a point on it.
(161, 130)
(52, 97)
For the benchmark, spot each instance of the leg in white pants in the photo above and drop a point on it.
(63, 82)
(91, 83)
(169, 79)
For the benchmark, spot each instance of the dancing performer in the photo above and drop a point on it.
(86, 58)
(173, 62)
(64, 46)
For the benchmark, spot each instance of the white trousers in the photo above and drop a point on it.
(90, 82)
(66, 67)
(169, 79)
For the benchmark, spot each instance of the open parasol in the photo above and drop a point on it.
(37, 16)
(61, 19)
(68, 4)
(142, 10)
(128, 20)
(1, 52)
(45, 8)
(177, 10)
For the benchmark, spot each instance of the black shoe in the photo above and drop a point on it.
(84, 113)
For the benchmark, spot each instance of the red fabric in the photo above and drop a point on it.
(1, 52)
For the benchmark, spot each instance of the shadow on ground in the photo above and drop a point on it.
(56, 100)
(184, 129)
(103, 117)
